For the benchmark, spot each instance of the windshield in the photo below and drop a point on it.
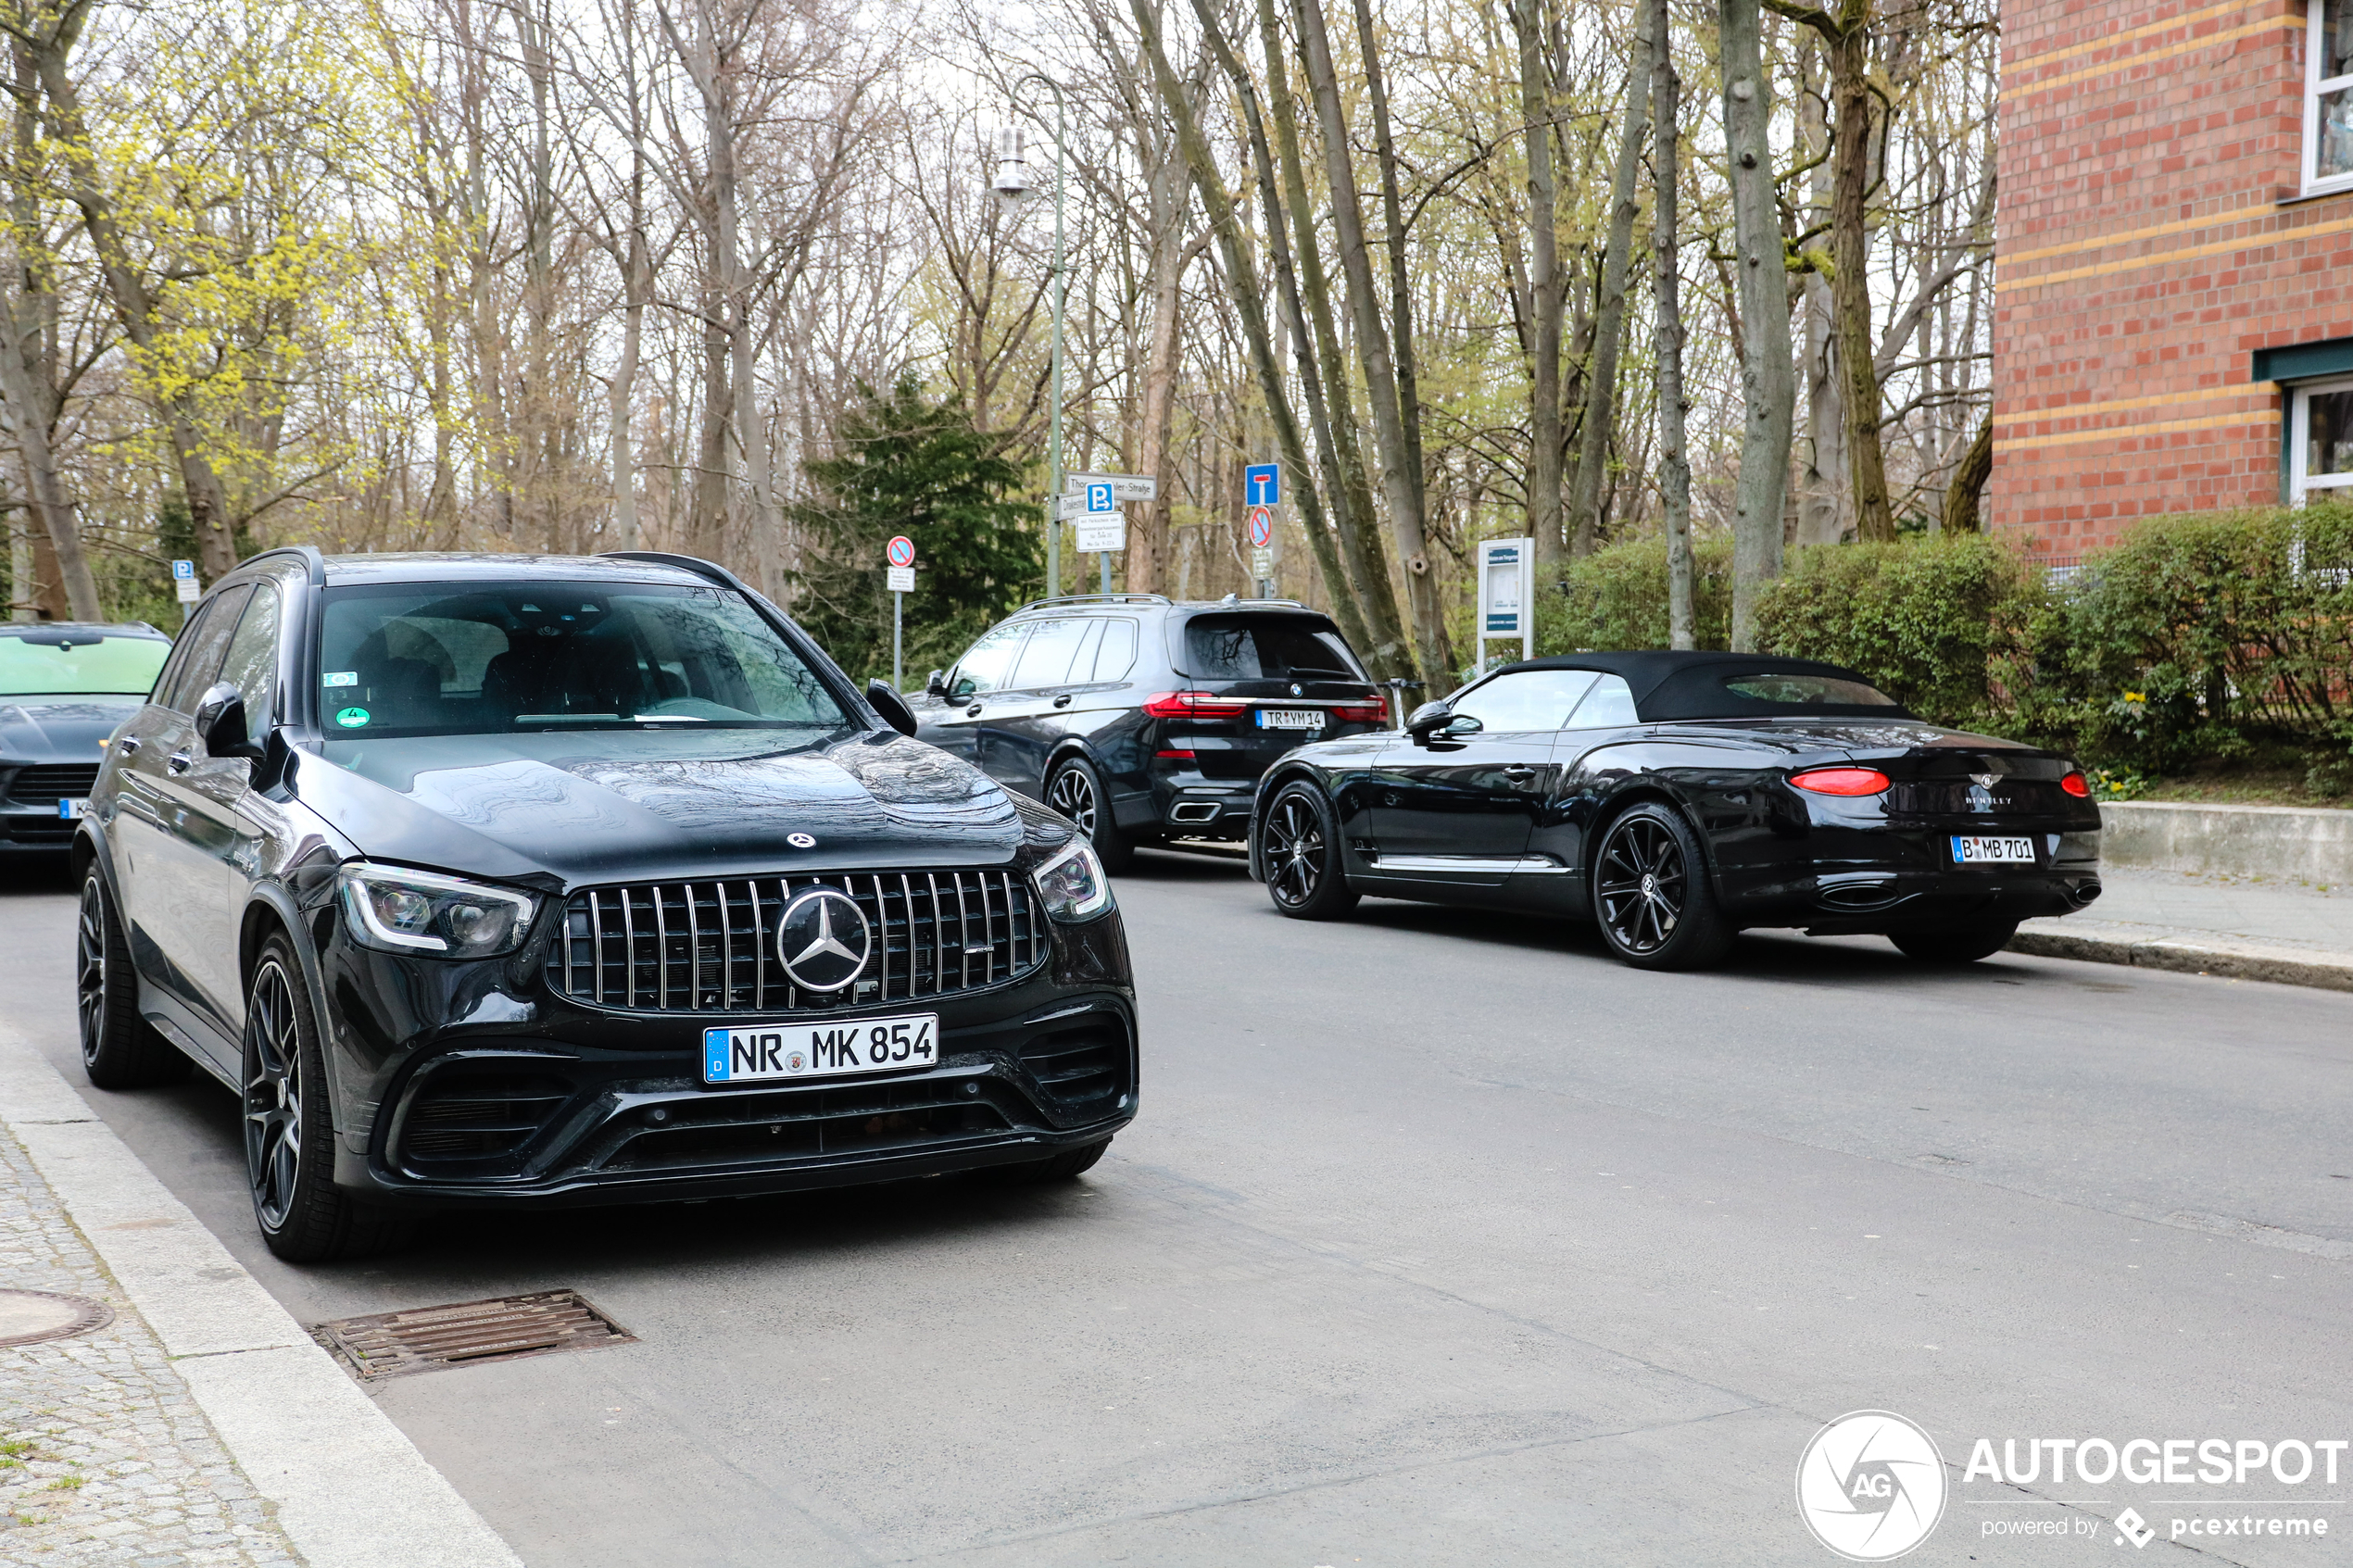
(517, 658)
(79, 664)
(1268, 647)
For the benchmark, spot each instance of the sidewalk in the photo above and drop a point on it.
(2239, 927)
(201, 1425)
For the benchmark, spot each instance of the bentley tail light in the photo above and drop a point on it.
(2076, 786)
(1841, 781)
(1195, 705)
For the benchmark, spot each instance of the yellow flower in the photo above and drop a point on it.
(2136, 697)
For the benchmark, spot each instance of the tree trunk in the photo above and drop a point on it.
(1609, 320)
(1401, 284)
(624, 379)
(1324, 378)
(1674, 458)
(1850, 287)
(1399, 476)
(1545, 299)
(1762, 274)
(1147, 544)
(1821, 507)
(1962, 496)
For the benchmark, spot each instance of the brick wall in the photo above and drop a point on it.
(2149, 240)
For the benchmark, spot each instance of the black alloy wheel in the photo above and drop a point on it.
(289, 1134)
(1299, 850)
(1076, 791)
(1651, 895)
(1956, 943)
(120, 1049)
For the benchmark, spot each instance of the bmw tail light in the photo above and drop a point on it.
(1841, 781)
(1373, 712)
(1195, 705)
(2077, 786)
(1175, 756)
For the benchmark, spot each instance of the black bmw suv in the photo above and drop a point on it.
(1144, 719)
(515, 880)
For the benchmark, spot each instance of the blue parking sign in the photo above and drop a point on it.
(1100, 498)
(184, 570)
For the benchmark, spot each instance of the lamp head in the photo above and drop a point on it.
(1012, 171)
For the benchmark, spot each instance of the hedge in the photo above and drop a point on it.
(2210, 636)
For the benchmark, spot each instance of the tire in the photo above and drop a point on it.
(1300, 847)
(1956, 943)
(1067, 1166)
(1651, 898)
(120, 1049)
(289, 1129)
(1076, 790)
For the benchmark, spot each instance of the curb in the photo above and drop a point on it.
(2157, 946)
(349, 1488)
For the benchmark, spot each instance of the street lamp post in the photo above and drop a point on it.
(1012, 183)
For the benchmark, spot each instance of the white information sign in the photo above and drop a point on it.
(1262, 563)
(1506, 596)
(187, 590)
(1100, 531)
(900, 578)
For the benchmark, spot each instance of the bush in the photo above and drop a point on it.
(1932, 621)
(1616, 598)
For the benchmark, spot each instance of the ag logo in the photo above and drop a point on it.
(1870, 1486)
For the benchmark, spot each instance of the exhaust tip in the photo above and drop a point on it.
(1194, 811)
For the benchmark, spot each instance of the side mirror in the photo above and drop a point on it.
(938, 684)
(963, 689)
(1427, 720)
(221, 723)
(891, 706)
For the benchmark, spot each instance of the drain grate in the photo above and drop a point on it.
(502, 1329)
(27, 1317)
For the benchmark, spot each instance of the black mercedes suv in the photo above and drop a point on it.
(517, 880)
(1143, 719)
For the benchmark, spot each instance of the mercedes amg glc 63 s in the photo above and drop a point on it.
(528, 880)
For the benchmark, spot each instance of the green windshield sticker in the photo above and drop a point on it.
(352, 718)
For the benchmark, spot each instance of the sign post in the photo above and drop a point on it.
(184, 586)
(1093, 504)
(899, 577)
(1506, 596)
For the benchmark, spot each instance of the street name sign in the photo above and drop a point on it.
(1124, 487)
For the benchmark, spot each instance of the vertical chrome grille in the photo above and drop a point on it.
(710, 947)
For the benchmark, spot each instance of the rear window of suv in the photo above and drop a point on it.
(1268, 647)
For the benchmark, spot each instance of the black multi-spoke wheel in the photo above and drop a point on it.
(1076, 791)
(1298, 852)
(289, 1134)
(1956, 943)
(1650, 894)
(120, 1049)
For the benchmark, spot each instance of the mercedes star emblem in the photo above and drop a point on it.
(800, 841)
(824, 939)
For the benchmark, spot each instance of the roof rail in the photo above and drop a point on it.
(1098, 599)
(1238, 599)
(308, 554)
(710, 570)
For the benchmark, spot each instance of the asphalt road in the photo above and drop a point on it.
(1441, 1239)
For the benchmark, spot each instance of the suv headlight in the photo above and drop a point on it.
(1071, 885)
(400, 911)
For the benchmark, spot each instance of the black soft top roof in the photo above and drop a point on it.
(1669, 684)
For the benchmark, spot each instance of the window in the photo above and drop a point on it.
(1524, 700)
(2321, 436)
(1117, 653)
(197, 660)
(1609, 706)
(988, 662)
(2328, 96)
(533, 656)
(1046, 658)
(36, 661)
(252, 663)
(1808, 691)
(1268, 647)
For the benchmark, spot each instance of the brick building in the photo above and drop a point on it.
(2174, 327)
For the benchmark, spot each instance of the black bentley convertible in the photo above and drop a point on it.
(1677, 799)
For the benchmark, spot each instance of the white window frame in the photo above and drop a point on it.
(2316, 20)
(2300, 485)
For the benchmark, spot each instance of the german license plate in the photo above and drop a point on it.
(73, 810)
(757, 1052)
(1290, 719)
(1971, 850)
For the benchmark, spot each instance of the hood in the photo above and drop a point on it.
(623, 806)
(60, 729)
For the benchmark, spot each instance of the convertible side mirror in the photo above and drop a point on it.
(891, 706)
(221, 723)
(937, 686)
(1428, 719)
